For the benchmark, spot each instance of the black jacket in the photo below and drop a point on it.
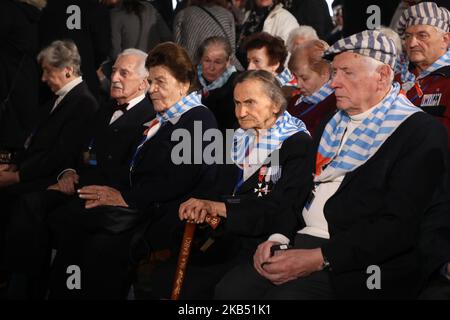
(60, 136)
(252, 214)
(158, 185)
(113, 145)
(375, 215)
(221, 102)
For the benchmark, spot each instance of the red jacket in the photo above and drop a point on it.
(314, 116)
(436, 95)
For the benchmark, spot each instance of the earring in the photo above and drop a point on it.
(67, 75)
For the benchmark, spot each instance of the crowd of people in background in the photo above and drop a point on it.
(339, 157)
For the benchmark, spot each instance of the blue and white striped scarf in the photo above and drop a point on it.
(324, 92)
(219, 82)
(285, 77)
(409, 79)
(247, 151)
(365, 140)
(188, 102)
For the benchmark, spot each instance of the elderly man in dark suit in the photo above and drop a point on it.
(379, 161)
(118, 130)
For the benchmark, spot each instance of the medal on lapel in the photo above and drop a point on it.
(263, 172)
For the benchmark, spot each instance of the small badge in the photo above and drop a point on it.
(430, 100)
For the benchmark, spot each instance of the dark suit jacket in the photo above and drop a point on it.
(374, 216)
(251, 219)
(158, 186)
(60, 136)
(113, 144)
(435, 232)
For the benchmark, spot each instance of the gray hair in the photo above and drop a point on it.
(220, 41)
(270, 84)
(61, 54)
(394, 36)
(308, 32)
(372, 66)
(140, 67)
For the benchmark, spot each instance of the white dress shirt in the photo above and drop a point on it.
(116, 115)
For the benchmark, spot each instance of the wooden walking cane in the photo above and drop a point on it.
(185, 250)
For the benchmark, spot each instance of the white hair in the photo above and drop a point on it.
(140, 68)
(309, 33)
(61, 54)
(391, 34)
(372, 65)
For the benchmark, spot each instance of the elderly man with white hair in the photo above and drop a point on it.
(379, 160)
(426, 79)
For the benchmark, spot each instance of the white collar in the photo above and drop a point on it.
(69, 86)
(135, 101)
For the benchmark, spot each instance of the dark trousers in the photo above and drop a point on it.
(102, 257)
(244, 282)
(29, 243)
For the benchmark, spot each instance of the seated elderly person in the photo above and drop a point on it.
(426, 79)
(316, 101)
(63, 128)
(266, 52)
(358, 238)
(270, 170)
(216, 76)
(99, 235)
(118, 130)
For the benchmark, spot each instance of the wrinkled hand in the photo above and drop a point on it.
(197, 209)
(288, 265)
(66, 184)
(97, 196)
(262, 254)
(8, 178)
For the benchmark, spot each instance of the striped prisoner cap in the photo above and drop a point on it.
(424, 13)
(370, 43)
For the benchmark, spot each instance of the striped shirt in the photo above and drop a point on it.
(193, 25)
